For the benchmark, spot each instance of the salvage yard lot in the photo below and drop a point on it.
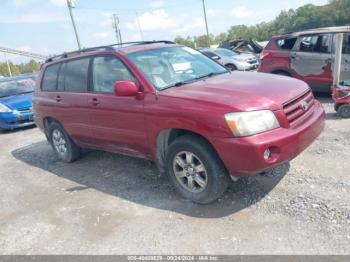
(110, 204)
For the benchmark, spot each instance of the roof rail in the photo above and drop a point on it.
(68, 54)
(106, 47)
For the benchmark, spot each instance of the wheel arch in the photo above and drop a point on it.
(166, 137)
(281, 71)
(46, 122)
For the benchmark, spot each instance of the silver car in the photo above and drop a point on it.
(232, 60)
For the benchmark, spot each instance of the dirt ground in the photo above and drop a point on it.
(111, 204)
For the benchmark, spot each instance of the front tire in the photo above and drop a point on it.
(195, 170)
(63, 145)
(344, 111)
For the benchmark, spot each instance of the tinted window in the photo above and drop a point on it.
(76, 76)
(316, 44)
(286, 44)
(50, 78)
(60, 79)
(106, 71)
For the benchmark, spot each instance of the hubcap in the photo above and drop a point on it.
(190, 172)
(59, 142)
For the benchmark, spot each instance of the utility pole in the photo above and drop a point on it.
(71, 5)
(139, 25)
(116, 27)
(206, 23)
(8, 64)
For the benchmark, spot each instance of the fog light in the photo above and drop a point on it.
(267, 154)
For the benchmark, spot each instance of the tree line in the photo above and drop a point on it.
(16, 69)
(335, 13)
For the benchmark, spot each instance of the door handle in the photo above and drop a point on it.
(58, 99)
(94, 101)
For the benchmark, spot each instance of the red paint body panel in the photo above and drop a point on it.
(132, 124)
(275, 59)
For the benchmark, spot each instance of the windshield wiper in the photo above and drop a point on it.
(181, 83)
(211, 74)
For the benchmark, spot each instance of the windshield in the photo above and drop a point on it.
(225, 52)
(16, 87)
(167, 67)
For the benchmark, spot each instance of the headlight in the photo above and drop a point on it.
(4, 109)
(251, 123)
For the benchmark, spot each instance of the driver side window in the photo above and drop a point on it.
(107, 70)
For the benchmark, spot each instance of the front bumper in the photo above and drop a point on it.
(243, 66)
(245, 156)
(13, 120)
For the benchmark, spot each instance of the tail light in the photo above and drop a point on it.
(264, 54)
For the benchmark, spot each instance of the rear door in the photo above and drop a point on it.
(345, 68)
(311, 61)
(72, 108)
(117, 122)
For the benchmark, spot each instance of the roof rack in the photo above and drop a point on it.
(106, 48)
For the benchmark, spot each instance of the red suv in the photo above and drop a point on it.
(171, 104)
(308, 56)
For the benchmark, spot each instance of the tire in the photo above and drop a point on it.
(62, 144)
(336, 107)
(344, 111)
(231, 67)
(208, 185)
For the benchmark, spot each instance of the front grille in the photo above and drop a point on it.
(252, 61)
(297, 108)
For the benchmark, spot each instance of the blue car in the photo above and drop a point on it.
(16, 101)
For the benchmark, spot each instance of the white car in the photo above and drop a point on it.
(231, 59)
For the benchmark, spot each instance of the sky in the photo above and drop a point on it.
(44, 26)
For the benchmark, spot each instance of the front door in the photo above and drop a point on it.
(311, 61)
(117, 122)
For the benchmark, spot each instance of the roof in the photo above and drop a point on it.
(337, 29)
(131, 47)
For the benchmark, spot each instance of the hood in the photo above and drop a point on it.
(242, 91)
(18, 101)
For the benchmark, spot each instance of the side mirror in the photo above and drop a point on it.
(125, 88)
(216, 57)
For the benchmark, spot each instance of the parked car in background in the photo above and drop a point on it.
(249, 46)
(232, 60)
(308, 56)
(16, 101)
(200, 123)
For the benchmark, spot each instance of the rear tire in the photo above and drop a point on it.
(344, 111)
(195, 170)
(62, 144)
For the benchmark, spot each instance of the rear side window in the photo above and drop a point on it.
(60, 79)
(76, 75)
(316, 44)
(50, 78)
(286, 44)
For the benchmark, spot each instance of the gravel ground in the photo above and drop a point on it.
(111, 204)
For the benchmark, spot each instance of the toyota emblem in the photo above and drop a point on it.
(304, 105)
